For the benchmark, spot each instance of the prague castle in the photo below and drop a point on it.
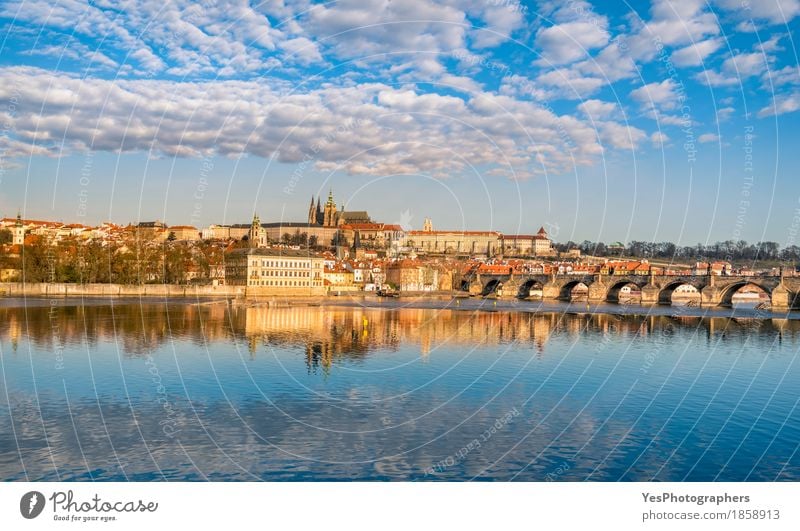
(327, 226)
(330, 217)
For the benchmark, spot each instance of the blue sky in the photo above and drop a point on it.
(670, 120)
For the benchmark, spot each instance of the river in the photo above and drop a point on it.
(458, 391)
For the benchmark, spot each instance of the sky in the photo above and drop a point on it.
(669, 120)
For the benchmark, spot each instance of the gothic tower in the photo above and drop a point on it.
(312, 213)
(329, 216)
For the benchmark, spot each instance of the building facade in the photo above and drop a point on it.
(266, 271)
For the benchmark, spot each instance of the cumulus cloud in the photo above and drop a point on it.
(369, 128)
(781, 104)
(705, 138)
(500, 22)
(659, 139)
(570, 83)
(302, 50)
(696, 53)
(190, 37)
(657, 96)
(568, 42)
(75, 51)
(596, 109)
(774, 11)
(736, 68)
(363, 28)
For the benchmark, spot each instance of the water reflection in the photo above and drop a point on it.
(209, 391)
(330, 332)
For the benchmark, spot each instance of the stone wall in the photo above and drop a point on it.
(18, 289)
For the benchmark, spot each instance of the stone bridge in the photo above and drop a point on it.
(715, 290)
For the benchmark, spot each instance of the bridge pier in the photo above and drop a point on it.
(510, 290)
(475, 288)
(598, 291)
(551, 291)
(781, 298)
(650, 294)
(711, 296)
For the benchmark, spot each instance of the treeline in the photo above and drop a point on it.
(131, 261)
(728, 250)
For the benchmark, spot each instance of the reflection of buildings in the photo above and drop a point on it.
(330, 334)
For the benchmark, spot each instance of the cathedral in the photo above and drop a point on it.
(330, 217)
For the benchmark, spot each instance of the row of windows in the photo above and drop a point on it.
(281, 283)
(283, 263)
(273, 273)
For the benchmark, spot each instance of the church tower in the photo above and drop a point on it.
(312, 213)
(329, 216)
(18, 232)
(427, 226)
(257, 235)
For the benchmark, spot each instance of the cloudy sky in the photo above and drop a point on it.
(670, 120)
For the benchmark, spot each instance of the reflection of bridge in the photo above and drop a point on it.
(655, 289)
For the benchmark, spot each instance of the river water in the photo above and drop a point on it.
(525, 392)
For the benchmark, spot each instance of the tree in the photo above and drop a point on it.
(6, 236)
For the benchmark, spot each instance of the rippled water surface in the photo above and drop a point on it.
(184, 391)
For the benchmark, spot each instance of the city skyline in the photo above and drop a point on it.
(671, 122)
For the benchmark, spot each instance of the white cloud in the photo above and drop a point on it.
(788, 75)
(568, 42)
(76, 51)
(621, 136)
(676, 22)
(735, 69)
(570, 84)
(390, 129)
(745, 64)
(695, 54)
(781, 105)
(611, 64)
(659, 139)
(361, 28)
(596, 109)
(774, 11)
(705, 138)
(501, 21)
(724, 114)
(186, 36)
(302, 50)
(657, 96)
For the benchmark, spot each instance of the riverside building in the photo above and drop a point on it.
(266, 271)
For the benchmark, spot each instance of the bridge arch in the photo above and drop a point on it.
(666, 293)
(728, 292)
(616, 292)
(567, 291)
(524, 291)
(491, 286)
